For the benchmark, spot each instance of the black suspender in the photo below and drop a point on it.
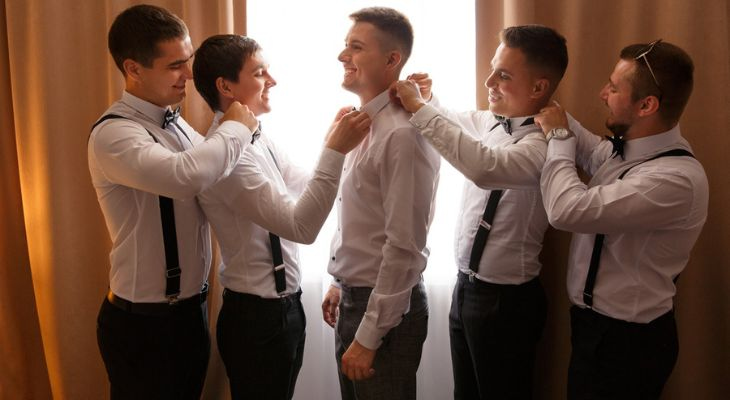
(485, 224)
(598, 243)
(169, 233)
(275, 243)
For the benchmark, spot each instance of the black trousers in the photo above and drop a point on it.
(261, 342)
(154, 356)
(614, 359)
(494, 330)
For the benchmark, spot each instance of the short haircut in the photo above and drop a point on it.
(543, 47)
(137, 31)
(220, 56)
(396, 27)
(674, 71)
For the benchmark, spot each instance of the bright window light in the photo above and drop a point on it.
(301, 41)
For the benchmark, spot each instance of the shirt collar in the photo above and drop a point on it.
(640, 148)
(149, 110)
(515, 123)
(374, 106)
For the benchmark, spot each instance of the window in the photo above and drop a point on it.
(301, 41)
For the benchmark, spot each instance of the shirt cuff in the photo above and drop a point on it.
(237, 129)
(369, 335)
(561, 149)
(423, 116)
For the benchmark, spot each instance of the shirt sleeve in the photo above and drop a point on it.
(251, 194)
(295, 177)
(653, 194)
(515, 166)
(127, 155)
(408, 178)
(589, 153)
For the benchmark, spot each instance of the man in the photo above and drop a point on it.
(147, 165)
(257, 219)
(498, 306)
(387, 202)
(635, 223)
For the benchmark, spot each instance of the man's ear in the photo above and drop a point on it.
(648, 105)
(223, 88)
(540, 88)
(394, 60)
(131, 69)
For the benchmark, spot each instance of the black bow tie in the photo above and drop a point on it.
(256, 133)
(170, 117)
(507, 126)
(618, 146)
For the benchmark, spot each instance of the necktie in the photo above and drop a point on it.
(170, 117)
(256, 135)
(507, 125)
(618, 145)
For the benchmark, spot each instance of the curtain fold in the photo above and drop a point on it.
(56, 78)
(596, 31)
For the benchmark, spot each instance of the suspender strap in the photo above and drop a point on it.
(598, 243)
(169, 233)
(276, 255)
(485, 226)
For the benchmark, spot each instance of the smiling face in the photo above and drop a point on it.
(254, 82)
(367, 65)
(511, 84)
(163, 83)
(616, 94)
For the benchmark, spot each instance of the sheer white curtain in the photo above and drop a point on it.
(301, 41)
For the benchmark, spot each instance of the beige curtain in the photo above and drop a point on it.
(596, 31)
(56, 78)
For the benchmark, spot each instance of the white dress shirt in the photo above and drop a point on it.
(476, 144)
(129, 170)
(387, 203)
(651, 218)
(264, 195)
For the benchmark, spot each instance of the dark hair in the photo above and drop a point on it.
(393, 23)
(136, 32)
(674, 71)
(220, 56)
(544, 48)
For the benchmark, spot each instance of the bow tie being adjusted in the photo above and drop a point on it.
(618, 143)
(256, 133)
(170, 117)
(507, 126)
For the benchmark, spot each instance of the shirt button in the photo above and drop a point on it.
(333, 259)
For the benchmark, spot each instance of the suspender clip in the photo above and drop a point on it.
(171, 300)
(173, 272)
(486, 225)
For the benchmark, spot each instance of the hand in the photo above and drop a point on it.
(340, 113)
(551, 117)
(241, 113)
(424, 84)
(330, 305)
(349, 131)
(408, 95)
(357, 362)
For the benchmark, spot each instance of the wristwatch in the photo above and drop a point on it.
(559, 134)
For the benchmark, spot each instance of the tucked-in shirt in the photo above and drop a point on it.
(265, 194)
(476, 144)
(385, 209)
(129, 171)
(651, 218)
